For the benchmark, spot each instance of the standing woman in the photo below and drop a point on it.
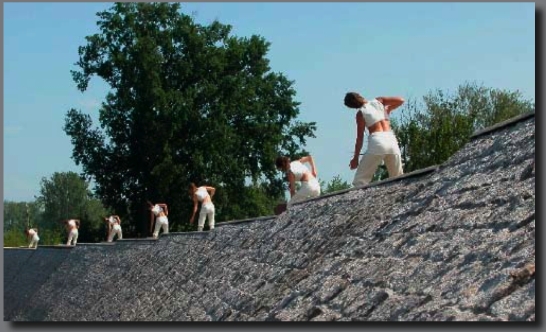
(296, 171)
(382, 144)
(32, 236)
(114, 227)
(204, 195)
(160, 212)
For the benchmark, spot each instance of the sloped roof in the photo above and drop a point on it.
(453, 242)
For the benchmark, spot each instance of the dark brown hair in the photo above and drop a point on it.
(282, 162)
(192, 188)
(353, 100)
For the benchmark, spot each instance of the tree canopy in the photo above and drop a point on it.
(188, 103)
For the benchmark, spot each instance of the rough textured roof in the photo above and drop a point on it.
(453, 242)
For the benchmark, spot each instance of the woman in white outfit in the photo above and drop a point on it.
(160, 212)
(382, 144)
(72, 225)
(32, 235)
(204, 195)
(114, 227)
(297, 171)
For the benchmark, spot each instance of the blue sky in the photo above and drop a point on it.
(405, 49)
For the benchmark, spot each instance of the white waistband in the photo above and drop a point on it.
(383, 133)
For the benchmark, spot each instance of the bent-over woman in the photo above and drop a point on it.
(297, 171)
(203, 195)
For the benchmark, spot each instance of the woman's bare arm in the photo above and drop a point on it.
(195, 205)
(309, 159)
(360, 128)
(391, 103)
(292, 185)
(211, 190)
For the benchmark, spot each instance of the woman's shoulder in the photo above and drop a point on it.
(297, 167)
(296, 163)
(376, 103)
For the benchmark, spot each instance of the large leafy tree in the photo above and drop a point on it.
(188, 102)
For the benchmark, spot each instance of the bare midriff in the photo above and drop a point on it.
(381, 125)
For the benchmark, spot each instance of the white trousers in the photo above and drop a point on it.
(163, 223)
(207, 211)
(382, 146)
(72, 237)
(308, 189)
(34, 241)
(369, 163)
(116, 230)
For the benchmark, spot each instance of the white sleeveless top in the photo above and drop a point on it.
(298, 169)
(72, 223)
(112, 220)
(31, 232)
(373, 111)
(157, 209)
(201, 193)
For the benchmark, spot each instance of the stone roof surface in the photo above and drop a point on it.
(456, 242)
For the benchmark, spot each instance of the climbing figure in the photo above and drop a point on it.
(114, 227)
(204, 195)
(382, 143)
(32, 236)
(160, 213)
(72, 226)
(297, 171)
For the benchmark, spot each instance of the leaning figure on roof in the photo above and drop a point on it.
(204, 195)
(114, 227)
(160, 212)
(72, 225)
(32, 236)
(297, 171)
(382, 144)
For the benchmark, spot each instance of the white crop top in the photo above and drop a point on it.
(373, 111)
(201, 193)
(298, 169)
(72, 223)
(157, 209)
(31, 232)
